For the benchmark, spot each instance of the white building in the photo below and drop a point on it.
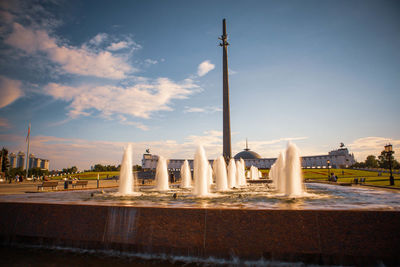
(340, 158)
(149, 162)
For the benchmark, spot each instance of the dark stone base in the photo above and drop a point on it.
(311, 236)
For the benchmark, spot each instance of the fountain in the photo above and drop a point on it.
(201, 173)
(221, 179)
(254, 174)
(232, 174)
(240, 176)
(243, 173)
(294, 180)
(210, 175)
(231, 226)
(280, 173)
(126, 175)
(162, 175)
(272, 175)
(186, 176)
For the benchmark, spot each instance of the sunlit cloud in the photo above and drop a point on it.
(125, 121)
(204, 68)
(207, 109)
(10, 90)
(150, 61)
(141, 100)
(98, 39)
(372, 145)
(73, 60)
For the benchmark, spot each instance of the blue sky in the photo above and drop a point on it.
(91, 76)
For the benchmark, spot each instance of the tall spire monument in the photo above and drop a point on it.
(227, 152)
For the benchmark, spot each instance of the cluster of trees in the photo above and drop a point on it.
(382, 161)
(110, 168)
(105, 168)
(70, 170)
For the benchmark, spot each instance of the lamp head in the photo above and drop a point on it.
(388, 148)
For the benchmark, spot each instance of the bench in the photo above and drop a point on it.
(48, 184)
(80, 183)
(359, 181)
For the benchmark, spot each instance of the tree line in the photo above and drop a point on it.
(110, 168)
(382, 161)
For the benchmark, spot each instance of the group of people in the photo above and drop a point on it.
(333, 178)
(19, 178)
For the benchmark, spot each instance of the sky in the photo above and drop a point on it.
(93, 76)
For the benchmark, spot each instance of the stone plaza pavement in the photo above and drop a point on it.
(29, 186)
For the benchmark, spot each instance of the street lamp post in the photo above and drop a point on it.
(327, 163)
(389, 152)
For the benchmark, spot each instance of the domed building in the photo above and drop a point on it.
(247, 154)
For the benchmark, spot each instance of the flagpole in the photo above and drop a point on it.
(27, 150)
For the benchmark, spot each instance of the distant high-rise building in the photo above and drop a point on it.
(36, 163)
(20, 160)
(31, 162)
(13, 160)
(44, 164)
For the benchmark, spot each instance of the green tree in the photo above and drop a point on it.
(5, 163)
(70, 170)
(371, 162)
(383, 161)
(14, 171)
(137, 167)
(358, 165)
(104, 168)
(37, 172)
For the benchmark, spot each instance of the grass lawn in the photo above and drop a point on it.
(348, 175)
(88, 175)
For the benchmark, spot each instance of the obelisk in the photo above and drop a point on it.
(227, 152)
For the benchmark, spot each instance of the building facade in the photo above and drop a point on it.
(44, 164)
(13, 160)
(31, 162)
(149, 162)
(36, 163)
(20, 160)
(340, 158)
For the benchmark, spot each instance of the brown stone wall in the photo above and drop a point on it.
(318, 236)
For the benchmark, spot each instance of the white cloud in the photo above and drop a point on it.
(73, 60)
(231, 71)
(204, 68)
(98, 39)
(125, 121)
(140, 100)
(118, 46)
(151, 61)
(207, 109)
(372, 145)
(10, 90)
